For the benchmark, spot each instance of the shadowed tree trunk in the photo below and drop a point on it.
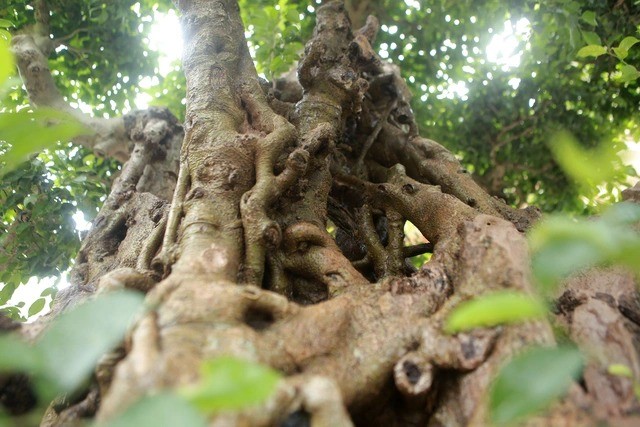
(226, 232)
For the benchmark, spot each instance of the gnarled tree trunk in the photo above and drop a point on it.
(238, 261)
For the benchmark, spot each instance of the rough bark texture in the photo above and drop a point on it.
(240, 263)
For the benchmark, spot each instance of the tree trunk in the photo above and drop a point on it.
(240, 261)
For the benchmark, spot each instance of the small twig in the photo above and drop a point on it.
(374, 134)
(361, 264)
(369, 234)
(501, 141)
(58, 41)
(415, 250)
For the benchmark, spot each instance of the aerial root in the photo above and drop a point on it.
(313, 254)
(435, 214)
(260, 231)
(321, 397)
(369, 234)
(174, 216)
(146, 259)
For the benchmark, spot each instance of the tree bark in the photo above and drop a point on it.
(241, 263)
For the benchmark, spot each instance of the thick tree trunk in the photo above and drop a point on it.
(240, 263)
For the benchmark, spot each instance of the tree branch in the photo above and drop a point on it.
(109, 139)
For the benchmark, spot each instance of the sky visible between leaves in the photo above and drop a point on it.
(166, 38)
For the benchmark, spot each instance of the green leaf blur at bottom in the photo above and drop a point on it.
(229, 383)
(162, 410)
(531, 381)
(562, 246)
(71, 347)
(17, 355)
(494, 309)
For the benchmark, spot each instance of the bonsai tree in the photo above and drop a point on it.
(269, 227)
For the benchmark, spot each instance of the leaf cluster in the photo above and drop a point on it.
(274, 35)
(500, 118)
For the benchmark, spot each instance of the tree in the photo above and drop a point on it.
(222, 223)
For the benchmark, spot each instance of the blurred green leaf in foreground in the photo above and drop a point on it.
(532, 380)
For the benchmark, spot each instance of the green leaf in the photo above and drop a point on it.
(292, 15)
(586, 167)
(620, 370)
(37, 306)
(52, 291)
(6, 61)
(625, 213)
(562, 246)
(162, 410)
(591, 38)
(628, 73)
(102, 17)
(29, 132)
(13, 312)
(494, 309)
(5, 36)
(419, 260)
(561, 259)
(18, 356)
(80, 336)
(7, 292)
(622, 51)
(531, 381)
(229, 383)
(5, 23)
(589, 17)
(592, 50)
(628, 42)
